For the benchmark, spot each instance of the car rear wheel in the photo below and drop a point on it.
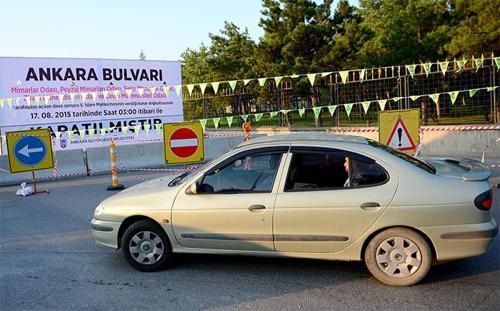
(398, 257)
(146, 246)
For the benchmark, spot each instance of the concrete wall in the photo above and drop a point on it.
(69, 163)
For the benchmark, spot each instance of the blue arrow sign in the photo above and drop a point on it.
(30, 150)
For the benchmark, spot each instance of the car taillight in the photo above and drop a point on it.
(484, 200)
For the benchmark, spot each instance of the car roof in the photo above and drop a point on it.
(304, 138)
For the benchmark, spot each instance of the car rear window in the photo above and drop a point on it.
(412, 160)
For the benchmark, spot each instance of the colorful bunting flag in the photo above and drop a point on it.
(472, 92)
(325, 74)
(124, 130)
(411, 69)
(152, 89)
(244, 117)
(344, 75)
(81, 133)
(91, 132)
(117, 94)
(497, 62)
(232, 84)
(285, 111)
(396, 99)
(229, 120)
(158, 127)
(203, 87)
(427, 68)
(136, 129)
(478, 62)
(366, 106)
(9, 102)
(190, 88)
(128, 92)
(317, 111)
(277, 80)
(332, 109)
(362, 74)
(453, 97)
(58, 135)
(37, 100)
(461, 64)
(27, 99)
(246, 81)
(105, 93)
(435, 97)
(272, 114)
(348, 109)
(301, 112)
(147, 128)
(70, 135)
(94, 96)
(382, 103)
(215, 87)
(491, 88)
(262, 81)
(444, 66)
(311, 77)
(166, 90)
(102, 131)
(46, 99)
(178, 89)
(140, 91)
(216, 122)
(2, 102)
(258, 116)
(294, 76)
(414, 97)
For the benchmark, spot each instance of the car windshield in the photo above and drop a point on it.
(412, 160)
(180, 178)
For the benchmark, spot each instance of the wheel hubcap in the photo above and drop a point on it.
(398, 257)
(146, 247)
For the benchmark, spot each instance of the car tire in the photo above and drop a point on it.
(398, 257)
(146, 246)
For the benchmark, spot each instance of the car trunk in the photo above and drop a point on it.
(469, 170)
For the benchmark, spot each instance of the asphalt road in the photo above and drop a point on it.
(48, 261)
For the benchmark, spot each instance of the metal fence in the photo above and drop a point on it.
(376, 84)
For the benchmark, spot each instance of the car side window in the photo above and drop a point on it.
(336, 169)
(249, 173)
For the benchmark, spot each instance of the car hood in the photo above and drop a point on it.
(151, 194)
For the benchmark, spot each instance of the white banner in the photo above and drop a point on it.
(84, 102)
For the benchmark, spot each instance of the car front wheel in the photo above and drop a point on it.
(146, 246)
(398, 257)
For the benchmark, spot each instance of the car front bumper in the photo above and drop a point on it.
(461, 241)
(105, 232)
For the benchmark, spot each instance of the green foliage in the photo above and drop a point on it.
(307, 36)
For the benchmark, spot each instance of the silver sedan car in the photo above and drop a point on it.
(317, 196)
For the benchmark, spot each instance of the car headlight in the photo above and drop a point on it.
(98, 210)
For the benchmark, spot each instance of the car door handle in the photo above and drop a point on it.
(370, 205)
(256, 207)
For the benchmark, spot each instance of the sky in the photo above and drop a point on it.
(118, 29)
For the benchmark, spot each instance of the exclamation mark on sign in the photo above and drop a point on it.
(400, 133)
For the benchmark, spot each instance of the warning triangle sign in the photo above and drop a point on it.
(400, 138)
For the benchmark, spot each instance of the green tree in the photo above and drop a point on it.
(478, 30)
(404, 31)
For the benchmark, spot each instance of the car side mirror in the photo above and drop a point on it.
(193, 189)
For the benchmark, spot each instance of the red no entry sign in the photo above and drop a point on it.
(183, 142)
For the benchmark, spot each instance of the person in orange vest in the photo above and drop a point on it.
(247, 127)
